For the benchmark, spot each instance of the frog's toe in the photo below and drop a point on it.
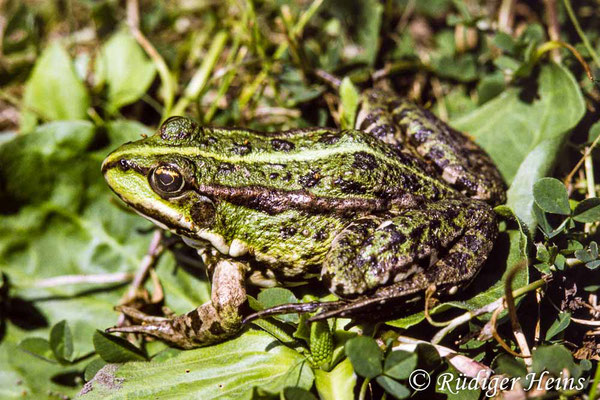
(138, 315)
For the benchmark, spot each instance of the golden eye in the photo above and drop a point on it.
(167, 180)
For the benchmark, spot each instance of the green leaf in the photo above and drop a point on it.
(428, 356)
(560, 324)
(551, 196)
(594, 132)
(554, 359)
(66, 221)
(338, 384)
(524, 137)
(272, 297)
(394, 388)
(61, 341)
(296, 393)
(510, 366)
(53, 90)
(38, 347)
(92, 368)
(587, 211)
(505, 42)
(127, 71)
(447, 383)
(230, 369)
(114, 349)
(365, 355)
(399, 364)
(349, 97)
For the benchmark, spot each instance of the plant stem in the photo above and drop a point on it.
(363, 389)
(133, 21)
(200, 78)
(592, 395)
(580, 32)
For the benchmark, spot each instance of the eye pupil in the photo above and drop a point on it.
(167, 180)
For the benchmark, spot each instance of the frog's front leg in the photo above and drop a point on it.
(443, 243)
(212, 322)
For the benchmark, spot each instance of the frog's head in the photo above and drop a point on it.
(157, 179)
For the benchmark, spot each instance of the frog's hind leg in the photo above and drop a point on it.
(210, 323)
(443, 243)
(457, 158)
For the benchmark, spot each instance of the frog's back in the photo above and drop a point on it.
(318, 162)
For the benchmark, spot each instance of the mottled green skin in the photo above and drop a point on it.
(378, 213)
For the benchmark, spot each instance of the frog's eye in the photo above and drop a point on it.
(167, 180)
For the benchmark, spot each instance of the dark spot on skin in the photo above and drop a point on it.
(436, 153)
(410, 183)
(395, 236)
(177, 128)
(273, 175)
(242, 149)
(459, 260)
(401, 115)
(383, 130)
(329, 138)
(287, 177)
(471, 242)
(465, 182)
(287, 232)
(310, 179)
(416, 233)
(369, 120)
(225, 168)
(395, 104)
(211, 140)
(321, 235)
(203, 213)
(216, 329)
(195, 321)
(282, 145)
(364, 161)
(350, 187)
(422, 135)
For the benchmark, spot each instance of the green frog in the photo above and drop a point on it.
(377, 213)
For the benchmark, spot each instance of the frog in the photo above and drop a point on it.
(400, 204)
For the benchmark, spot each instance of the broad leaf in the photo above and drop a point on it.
(64, 221)
(61, 341)
(53, 90)
(365, 355)
(524, 137)
(126, 69)
(551, 196)
(587, 211)
(228, 370)
(114, 349)
(338, 384)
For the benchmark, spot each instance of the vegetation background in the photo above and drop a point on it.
(78, 78)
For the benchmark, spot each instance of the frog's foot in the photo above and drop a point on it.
(210, 323)
(443, 243)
